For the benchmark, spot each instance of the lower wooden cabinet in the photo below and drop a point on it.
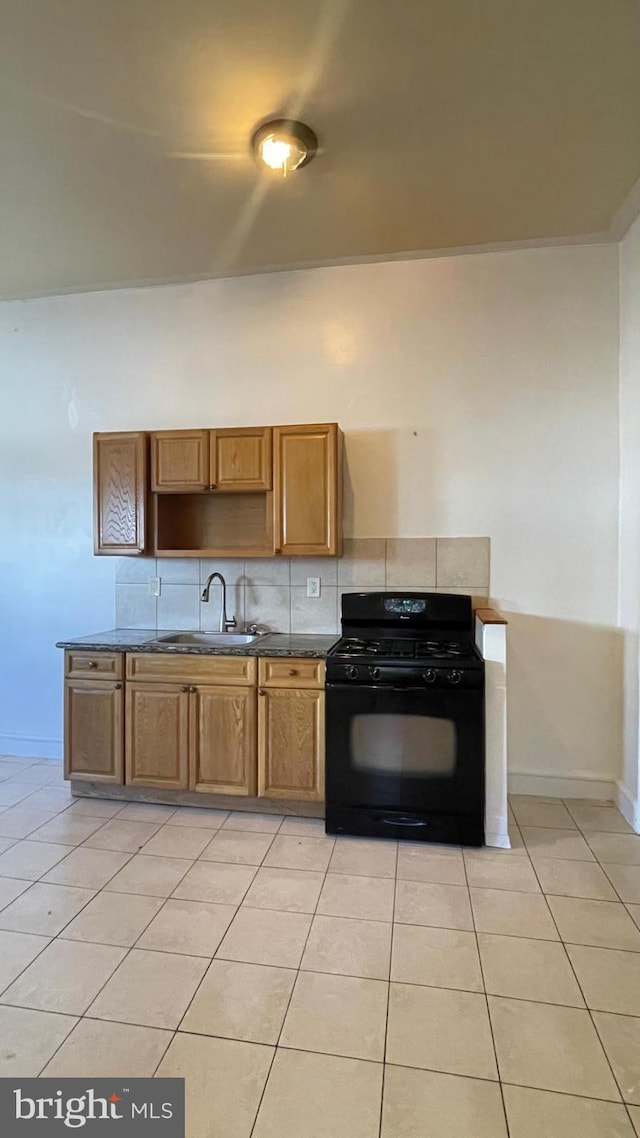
(291, 743)
(222, 740)
(157, 735)
(93, 730)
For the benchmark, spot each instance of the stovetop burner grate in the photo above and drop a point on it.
(403, 649)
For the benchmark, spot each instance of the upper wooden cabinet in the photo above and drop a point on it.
(233, 459)
(307, 466)
(241, 459)
(119, 492)
(180, 461)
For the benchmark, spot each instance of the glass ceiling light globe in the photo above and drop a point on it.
(284, 145)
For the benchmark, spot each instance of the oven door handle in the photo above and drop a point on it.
(378, 688)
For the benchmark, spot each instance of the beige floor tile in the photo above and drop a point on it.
(6, 843)
(239, 846)
(419, 903)
(609, 978)
(303, 827)
(155, 876)
(193, 927)
(10, 888)
(146, 812)
(533, 1113)
(528, 970)
(29, 860)
(217, 882)
(320, 1096)
(90, 869)
(418, 863)
(114, 918)
(620, 1037)
(264, 936)
(241, 1001)
(65, 977)
(150, 988)
(512, 914)
(44, 909)
(20, 821)
(516, 839)
(348, 947)
(554, 815)
(634, 1112)
(68, 829)
(337, 1015)
(17, 950)
(28, 1039)
(97, 1049)
(96, 808)
(12, 792)
(440, 1030)
(53, 798)
(605, 819)
(199, 817)
(370, 898)
(246, 820)
(293, 852)
(455, 1107)
(126, 837)
(442, 958)
(371, 858)
(177, 841)
(634, 911)
(612, 849)
(500, 872)
(551, 1047)
(547, 842)
(292, 890)
(604, 924)
(574, 879)
(224, 1082)
(626, 881)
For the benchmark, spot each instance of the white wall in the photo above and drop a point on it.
(630, 509)
(478, 395)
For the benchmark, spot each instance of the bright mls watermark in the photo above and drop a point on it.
(138, 1108)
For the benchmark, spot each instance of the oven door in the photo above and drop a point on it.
(407, 759)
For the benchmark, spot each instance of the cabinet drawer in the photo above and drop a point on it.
(94, 665)
(188, 669)
(286, 672)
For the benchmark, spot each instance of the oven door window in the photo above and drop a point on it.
(405, 746)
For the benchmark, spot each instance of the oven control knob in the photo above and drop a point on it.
(352, 673)
(455, 676)
(429, 676)
(374, 673)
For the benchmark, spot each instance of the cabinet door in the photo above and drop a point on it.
(93, 731)
(180, 460)
(241, 459)
(157, 735)
(308, 491)
(223, 740)
(291, 744)
(119, 492)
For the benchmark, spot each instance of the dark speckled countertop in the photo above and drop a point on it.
(147, 640)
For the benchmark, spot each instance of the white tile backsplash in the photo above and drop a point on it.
(273, 591)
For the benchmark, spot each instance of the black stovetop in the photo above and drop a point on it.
(407, 648)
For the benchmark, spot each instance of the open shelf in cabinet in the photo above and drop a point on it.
(213, 524)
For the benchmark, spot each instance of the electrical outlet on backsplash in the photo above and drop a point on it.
(273, 591)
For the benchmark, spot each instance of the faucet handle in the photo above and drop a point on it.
(229, 624)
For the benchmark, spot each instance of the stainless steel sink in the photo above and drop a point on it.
(210, 639)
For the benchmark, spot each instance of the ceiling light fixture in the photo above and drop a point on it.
(284, 145)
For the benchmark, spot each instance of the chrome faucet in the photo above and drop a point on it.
(225, 624)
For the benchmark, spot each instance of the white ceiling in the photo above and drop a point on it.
(443, 124)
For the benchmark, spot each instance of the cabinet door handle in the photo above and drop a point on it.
(92, 664)
(277, 551)
(192, 688)
(212, 486)
(293, 671)
(118, 687)
(185, 688)
(261, 691)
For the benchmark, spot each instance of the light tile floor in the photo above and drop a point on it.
(312, 988)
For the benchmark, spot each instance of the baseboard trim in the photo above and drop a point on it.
(558, 786)
(26, 747)
(628, 806)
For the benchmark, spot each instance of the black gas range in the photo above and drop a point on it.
(405, 719)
